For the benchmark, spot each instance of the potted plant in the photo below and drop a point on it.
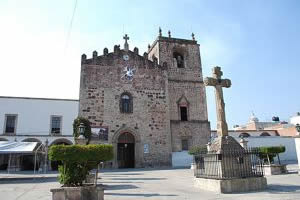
(195, 151)
(267, 155)
(77, 161)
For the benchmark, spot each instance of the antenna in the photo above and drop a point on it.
(70, 27)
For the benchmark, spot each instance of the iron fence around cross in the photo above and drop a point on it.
(229, 164)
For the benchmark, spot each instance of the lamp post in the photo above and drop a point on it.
(81, 139)
(298, 129)
(81, 130)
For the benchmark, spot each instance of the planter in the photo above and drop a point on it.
(90, 178)
(274, 169)
(88, 192)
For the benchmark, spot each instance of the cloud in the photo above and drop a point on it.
(35, 63)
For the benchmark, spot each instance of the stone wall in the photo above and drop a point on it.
(185, 88)
(100, 91)
(196, 132)
(190, 93)
(290, 150)
(158, 89)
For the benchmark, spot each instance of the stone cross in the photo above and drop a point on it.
(126, 46)
(218, 83)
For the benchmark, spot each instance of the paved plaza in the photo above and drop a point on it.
(171, 184)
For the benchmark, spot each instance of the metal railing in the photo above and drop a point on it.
(229, 164)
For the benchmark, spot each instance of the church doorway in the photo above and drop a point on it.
(125, 152)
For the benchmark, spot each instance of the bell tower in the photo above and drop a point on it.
(186, 90)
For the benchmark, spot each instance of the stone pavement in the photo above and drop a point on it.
(155, 184)
(24, 175)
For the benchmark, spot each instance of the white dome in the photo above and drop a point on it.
(253, 118)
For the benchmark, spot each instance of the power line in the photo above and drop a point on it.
(70, 27)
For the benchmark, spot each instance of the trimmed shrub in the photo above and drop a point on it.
(87, 131)
(267, 154)
(272, 149)
(198, 150)
(78, 160)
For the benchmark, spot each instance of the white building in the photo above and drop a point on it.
(37, 119)
(46, 121)
(295, 119)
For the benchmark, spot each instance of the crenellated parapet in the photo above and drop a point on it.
(117, 56)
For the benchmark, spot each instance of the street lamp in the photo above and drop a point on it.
(298, 128)
(81, 131)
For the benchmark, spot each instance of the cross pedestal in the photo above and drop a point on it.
(227, 167)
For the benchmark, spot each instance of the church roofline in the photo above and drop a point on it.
(118, 51)
(173, 40)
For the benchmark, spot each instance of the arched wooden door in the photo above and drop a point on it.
(125, 153)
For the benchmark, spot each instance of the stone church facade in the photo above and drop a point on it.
(150, 105)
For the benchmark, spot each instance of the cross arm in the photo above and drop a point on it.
(225, 83)
(210, 81)
(214, 82)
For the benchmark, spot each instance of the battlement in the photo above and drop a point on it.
(108, 59)
(170, 39)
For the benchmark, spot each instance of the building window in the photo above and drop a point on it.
(10, 123)
(56, 124)
(179, 59)
(126, 103)
(185, 144)
(183, 113)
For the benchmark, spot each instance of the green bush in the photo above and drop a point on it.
(198, 150)
(78, 160)
(87, 131)
(272, 149)
(267, 154)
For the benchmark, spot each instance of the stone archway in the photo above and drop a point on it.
(127, 148)
(125, 151)
(265, 134)
(244, 134)
(61, 141)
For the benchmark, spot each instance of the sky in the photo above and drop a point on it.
(255, 42)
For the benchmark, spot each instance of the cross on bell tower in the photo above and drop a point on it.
(126, 46)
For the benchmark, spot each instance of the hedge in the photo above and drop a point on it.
(272, 149)
(78, 160)
(81, 153)
(267, 154)
(198, 150)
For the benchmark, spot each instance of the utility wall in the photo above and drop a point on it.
(183, 159)
(289, 143)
